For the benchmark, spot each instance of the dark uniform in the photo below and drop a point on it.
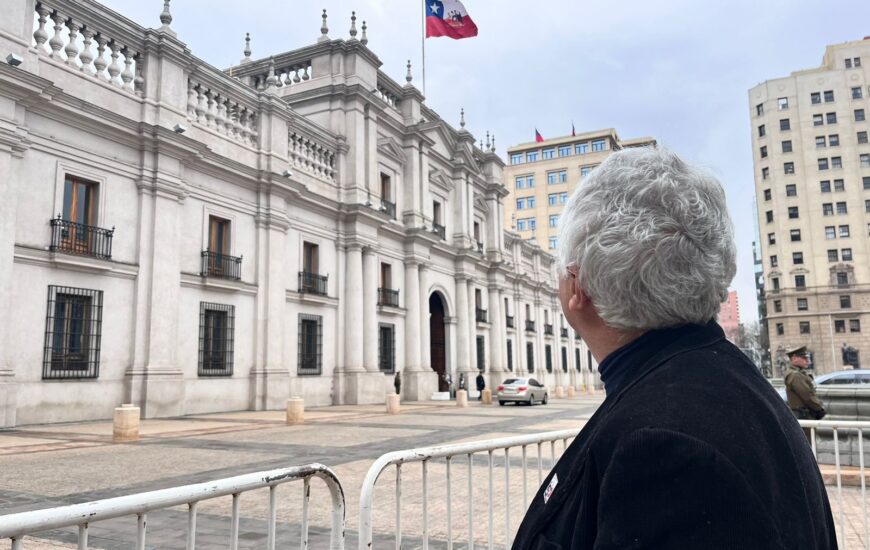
(801, 394)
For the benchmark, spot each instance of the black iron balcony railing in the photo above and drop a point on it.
(548, 329)
(312, 283)
(388, 297)
(439, 230)
(224, 266)
(577, 337)
(530, 326)
(480, 315)
(388, 208)
(563, 332)
(480, 247)
(84, 240)
(509, 321)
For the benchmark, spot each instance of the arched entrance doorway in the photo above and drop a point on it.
(438, 340)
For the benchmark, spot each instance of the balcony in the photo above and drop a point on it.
(84, 240)
(563, 332)
(440, 230)
(221, 266)
(480, 247)
(509, 321)
(388, 208)
(530, 326)
(548, 329)
(388, 297)
(577, 337)
(312, 283)
(480, 315)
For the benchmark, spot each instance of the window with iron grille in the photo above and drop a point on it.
(564, 359)
(530, 357)
(481, 354)
(73, 328)
(310, 344)
(510, 355)
(216, 339)
(387, 348)
(548, 357)
(577, 358)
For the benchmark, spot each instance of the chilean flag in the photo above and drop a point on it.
(448, 18)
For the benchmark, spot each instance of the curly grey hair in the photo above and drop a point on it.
(650, 239)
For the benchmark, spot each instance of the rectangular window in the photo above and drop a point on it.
(856, 61)
(765, 173)
(848, 63)
(774, 261)
(521, 204)
(823, 164)
(793, 213)
(834, 140)
(836, 162)
(564, 359)
(761, 131)
(788, 168)
(436, 212)
(554, 220)
(599, 145)
(310, 344)
(844, 231)
(831, 118)
(216, 339)
(821, 142)
(530, 202)
(816, 98)
(833, 255)
(581, 148)
(553, 199)
(845, 302)
(862, 137)
(842, 278)
(864, 160)
(564, 150)
(520, 182)
(786, 146)
(563, 198)
(585, 171)
(827, 209)
(802, 304)
(854, 325)
(800, 282)
(825, 186)
(771, 238)
(839, 185)
(530, 357)
(784, 124)
(866, 182)
(859, 115)
(548, 154)
(532, 223)
(867, 206)
(767, 195)
(818, 120)
(310, 258)
(554, 241)
(847, 254)
(218, 235)
(804, 327)
(841, 208)
(386, 275)
(481, 353)
(775, 282)
(763, 151)
(548, 357)
(791, 190)
(830, 232)
(530, 181)
(829, 96)
(387, 348)
(782, 103)
(521, 225)
(795, 235)
(777, 306)
(516, 158)
(552, 177)
(80, 202)
(780, 329)
(532, 156)
(759, 109)
(73, 328)
(839, 325)
(768, 216)
(797, 258)
(510, 355)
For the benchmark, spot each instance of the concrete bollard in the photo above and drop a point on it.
(570, 391)
(125, 423)
(486, 396)
(295, 410)
(461, 398)
(560, 392)
(393, 406)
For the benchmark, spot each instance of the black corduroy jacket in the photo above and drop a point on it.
(695, 450)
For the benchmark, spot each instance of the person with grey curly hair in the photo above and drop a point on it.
(692, 447)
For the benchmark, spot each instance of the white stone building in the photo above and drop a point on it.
(192, 240)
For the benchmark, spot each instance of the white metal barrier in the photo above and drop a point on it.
(17, 526)
(825, 450)
(448, 452)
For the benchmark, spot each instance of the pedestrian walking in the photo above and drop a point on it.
(461, 380)
(800, 391)
(481, 385)
(397, 383)
(692, 447)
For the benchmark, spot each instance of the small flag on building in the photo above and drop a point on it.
(573, 132)
(538, 137)
(448, 18)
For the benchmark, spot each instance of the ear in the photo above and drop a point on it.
(579, 300)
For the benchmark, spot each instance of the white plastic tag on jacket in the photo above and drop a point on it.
(550, 488)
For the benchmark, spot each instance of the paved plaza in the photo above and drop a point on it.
(53, 465)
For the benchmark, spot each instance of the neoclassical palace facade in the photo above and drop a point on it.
(191, 240)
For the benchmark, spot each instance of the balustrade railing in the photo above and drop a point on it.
(530, 326)
(480, 315)
(388, 297)
(548, 329)
(99, 43)
(509, 321)
(281, 71)
(439, 230)
(312, 156)
(389, 208)
(563, 332)
(312, 283)
(213, 106)
(85, 240)
(222, 266)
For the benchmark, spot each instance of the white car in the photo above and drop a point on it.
(522, 390)
(839, 378)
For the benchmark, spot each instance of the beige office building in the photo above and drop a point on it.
(812, 179)
(541, 176)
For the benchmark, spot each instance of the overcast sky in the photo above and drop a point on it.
(678, 71)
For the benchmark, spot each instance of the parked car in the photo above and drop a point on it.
(838, 378)
(522, 390)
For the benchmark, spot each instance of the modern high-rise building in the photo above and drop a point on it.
(812, 182)
(540, 177)
(729, 316)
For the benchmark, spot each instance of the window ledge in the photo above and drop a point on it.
(195, 280)
(309, 298)
(88, 264)
(392, 311)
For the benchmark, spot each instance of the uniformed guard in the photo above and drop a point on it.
(799, 387)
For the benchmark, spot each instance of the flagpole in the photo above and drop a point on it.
(423, 41)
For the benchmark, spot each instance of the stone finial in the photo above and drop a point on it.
(271, 80)
(353, 25)
(481, 145)
(324, 29)
(166, 15)
(364, 39)
(493, 144)
(408, 76)
(247, 47)
(462, 117)
(487, 141)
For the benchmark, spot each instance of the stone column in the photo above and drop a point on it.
(8, 212)
(462, 328)
(520, 344)
(425, 351)
(353, 296)
(472, 332)
(370, 313)
(496, 332)
(413, 317)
